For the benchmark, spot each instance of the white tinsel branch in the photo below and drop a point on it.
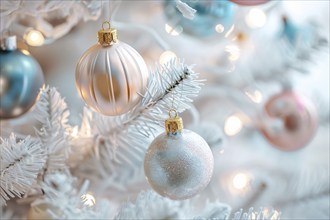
(64, 201)
(20, 163)
(52, 112)
(171, 86)
(125, 138)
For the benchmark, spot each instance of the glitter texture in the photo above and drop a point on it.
(179, 166)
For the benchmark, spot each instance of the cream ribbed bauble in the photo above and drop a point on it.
(111, 74)
(179, 163)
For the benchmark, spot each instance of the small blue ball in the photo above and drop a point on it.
(208, 15)
(21, 78)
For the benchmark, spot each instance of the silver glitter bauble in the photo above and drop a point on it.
(21, 78)
(178, 165)
(110, 75)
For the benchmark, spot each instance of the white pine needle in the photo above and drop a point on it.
(20, 163)
(51, 111)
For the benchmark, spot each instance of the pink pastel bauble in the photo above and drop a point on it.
(249, 2)
(290, 121)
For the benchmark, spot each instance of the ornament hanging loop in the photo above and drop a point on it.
(174, 123)
(106, 23)
(107, 36)
(172, 113)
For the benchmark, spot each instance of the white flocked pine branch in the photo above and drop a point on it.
(124, 139)
(51, 110)
(21, 162)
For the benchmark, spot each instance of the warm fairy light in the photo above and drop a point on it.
(34, 38)
(231, 29)
(256, 18)
(276, 215)
(233, 52)
(166, 56)
(174, 31)
(25, 52)
(233, 125)
(219, 28)
(74, 132)
(255, 96)
(240, 181)
(88, 199)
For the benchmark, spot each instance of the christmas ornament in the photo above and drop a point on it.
(21, 78)
(249, 2)
(211, 17)
(111, 74)
(293, 121)
(179, 163)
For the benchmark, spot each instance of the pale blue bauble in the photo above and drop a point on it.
(21, 78)
(208, 15)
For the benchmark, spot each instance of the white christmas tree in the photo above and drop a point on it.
(94, 170)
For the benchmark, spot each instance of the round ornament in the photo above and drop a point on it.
(21, 78)
(211, 17)
(249, 2)
(111, 74)
(293, 121)
(179, 163)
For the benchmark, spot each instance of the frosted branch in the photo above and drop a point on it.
(51, 111)
(125, 138)
(21, 161)
(147, 206)
(67, 202)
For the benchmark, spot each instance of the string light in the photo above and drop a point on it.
(276, 215)
(233, 125)
(88, 199)
(255, 96)
(219, 28)
(233, 52)
(25, 52)
(34, 38)
(240, 181)
(74, 132)
(174, 31)
(256, 18)
(231, 29)
(166, 56)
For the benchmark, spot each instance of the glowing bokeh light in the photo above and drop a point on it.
(88, 199)
(256, 18)
(233, 125)
(166, 56)
(34, 38)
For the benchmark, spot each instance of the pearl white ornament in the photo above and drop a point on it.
(179, 164)
(110, 75)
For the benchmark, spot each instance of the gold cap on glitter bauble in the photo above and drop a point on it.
(107, 36)
(174, 123)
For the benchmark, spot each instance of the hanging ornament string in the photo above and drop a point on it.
(110, 9)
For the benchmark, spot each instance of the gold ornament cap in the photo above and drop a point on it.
(174, 123)
(107, 36)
